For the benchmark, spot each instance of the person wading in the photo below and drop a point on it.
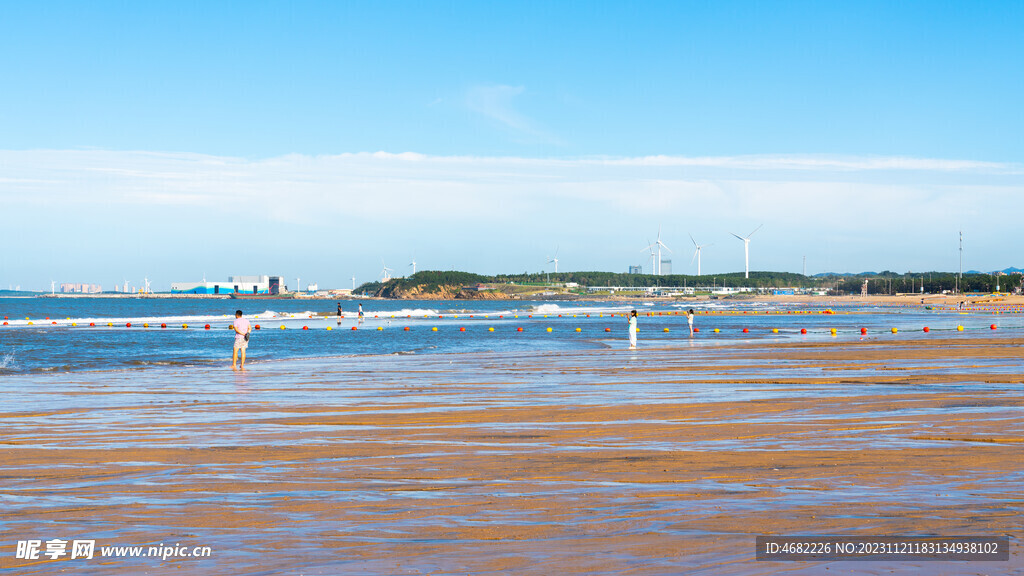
(242, 328)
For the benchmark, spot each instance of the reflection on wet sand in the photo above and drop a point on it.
(653, 461)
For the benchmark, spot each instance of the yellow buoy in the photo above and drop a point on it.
(959, 328)
(74, 323)
(894, 330)
(549, 329)
(716, 330)
(434, 329)
(833, 331)
(666, 329)
(380, 327)
(184, 326)
(282, 326)
(579, 330)
(329, 328)
(775, 330)
(490, 329)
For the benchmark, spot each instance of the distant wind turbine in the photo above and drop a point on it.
(696, 253)
(413, 264)
(654, 255)
(659, 245)
(386, 272)
(555, 260)
(746, 250)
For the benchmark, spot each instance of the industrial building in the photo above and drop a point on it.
(234, 284)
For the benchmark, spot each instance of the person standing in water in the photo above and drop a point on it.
(632, 329)
(339, 312)
(242, 328)
(689, 320)
(360, 311)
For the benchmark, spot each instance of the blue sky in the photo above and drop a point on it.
(313, 139)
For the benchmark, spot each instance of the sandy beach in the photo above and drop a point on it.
(656, 461)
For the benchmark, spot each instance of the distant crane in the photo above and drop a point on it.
(746, 250)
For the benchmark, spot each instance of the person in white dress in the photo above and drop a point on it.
(632, 329)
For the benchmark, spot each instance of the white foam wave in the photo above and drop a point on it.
(414, 312)
(557, 309)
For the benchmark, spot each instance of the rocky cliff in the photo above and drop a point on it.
(438, 292)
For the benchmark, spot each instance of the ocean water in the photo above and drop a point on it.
(45, 335)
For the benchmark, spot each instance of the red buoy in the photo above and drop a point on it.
(607, 329)
(406, 328)
(207, 327)
(745, 330)
(696, 330)
(92, 323)
(462, 329)
(128, 325)
(520, 329)
(863, 330)
(353, 327)
(256, 327)
(993, 327)
(926, 329)
(305, 327)
(803, 330)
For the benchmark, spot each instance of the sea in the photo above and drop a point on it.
(48, 335)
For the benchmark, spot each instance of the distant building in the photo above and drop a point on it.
(666, 267)
(79, 288)
(234, 284)
(636, 269)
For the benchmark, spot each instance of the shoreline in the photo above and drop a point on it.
(898, 299)
(661, 460)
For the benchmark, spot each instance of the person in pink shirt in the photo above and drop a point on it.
(242, 328)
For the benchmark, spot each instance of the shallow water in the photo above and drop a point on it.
(60, 339)
(551, 453)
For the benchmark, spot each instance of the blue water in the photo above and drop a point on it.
(62, 347)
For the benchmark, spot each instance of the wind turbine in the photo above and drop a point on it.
(696, 253)
(146, 281)
(555, 260)
(413, 264)
(654, 269)
(53, 288)
(386, 272)
(659, 244)
(746, 250)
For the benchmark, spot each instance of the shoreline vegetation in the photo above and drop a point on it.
(447, 285)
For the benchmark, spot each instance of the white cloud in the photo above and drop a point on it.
(497, 103)
(847, 207)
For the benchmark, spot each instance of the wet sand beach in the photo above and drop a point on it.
(657, 461)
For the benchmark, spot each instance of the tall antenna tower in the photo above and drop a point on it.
(960, 276)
